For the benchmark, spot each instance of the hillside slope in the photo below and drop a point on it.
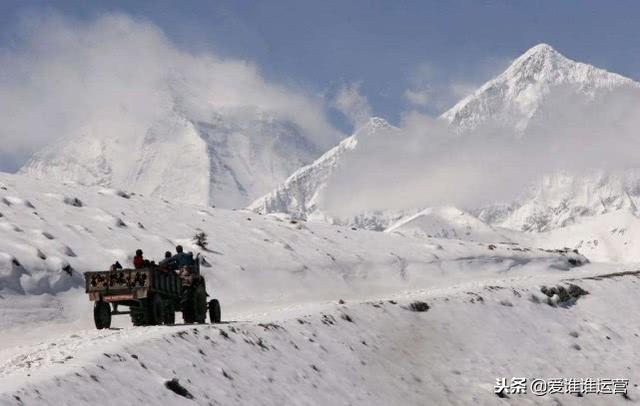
(452, 350)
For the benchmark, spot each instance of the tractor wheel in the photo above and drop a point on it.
(138, 316)
(200, 304)
(187, 307)
(102, 314)
(214, 311)
(169, 312)
(156, 310)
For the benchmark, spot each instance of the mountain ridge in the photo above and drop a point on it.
(512, 99)
(524, 83)
(227, 160)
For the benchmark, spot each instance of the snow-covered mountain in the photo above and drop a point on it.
(511, 101)
(561, 200)
(519, 99)
(227, 159)
(517, 103)
(234, 155)
(301, 194)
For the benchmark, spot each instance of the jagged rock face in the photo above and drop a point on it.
(227, 160)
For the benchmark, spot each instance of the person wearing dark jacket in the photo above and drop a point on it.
(182, 258)
(168, 264)
(138, 260)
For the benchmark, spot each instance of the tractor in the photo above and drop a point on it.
(152, 294)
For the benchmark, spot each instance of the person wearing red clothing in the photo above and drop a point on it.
(138, 260)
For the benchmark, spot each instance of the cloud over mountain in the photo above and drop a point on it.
(118, 75)
(545, 114)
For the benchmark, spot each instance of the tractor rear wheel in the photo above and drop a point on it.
(139, 314)
(214, 311)
(169, 312)
(102, 314)
(200, 304)
(156, 310)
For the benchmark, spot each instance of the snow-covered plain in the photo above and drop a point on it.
(287, 340)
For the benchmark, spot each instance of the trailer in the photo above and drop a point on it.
(152, 295)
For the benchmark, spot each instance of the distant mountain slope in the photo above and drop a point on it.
(561, 200)
(228, 160)
(301, 194)
(447, 222)
(517, 103)
(609, 237)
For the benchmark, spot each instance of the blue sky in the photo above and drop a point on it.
(389, 49)
(384, 45)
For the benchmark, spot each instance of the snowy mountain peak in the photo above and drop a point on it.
(234, 155)
(511, 100)
(372, 126)
(377, 122)
(300, 194)
(513, 103)
(543, 63)
(540, 51)
(541, 48)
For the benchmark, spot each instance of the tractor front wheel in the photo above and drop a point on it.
(214, 311)
(102, 314)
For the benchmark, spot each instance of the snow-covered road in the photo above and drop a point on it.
(472, 334)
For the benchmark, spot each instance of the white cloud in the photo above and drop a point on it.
(431, 88)
(424, 164)
(352, 104)
(418, 97)
(438, 97)
(460, 90)
(116, 74)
